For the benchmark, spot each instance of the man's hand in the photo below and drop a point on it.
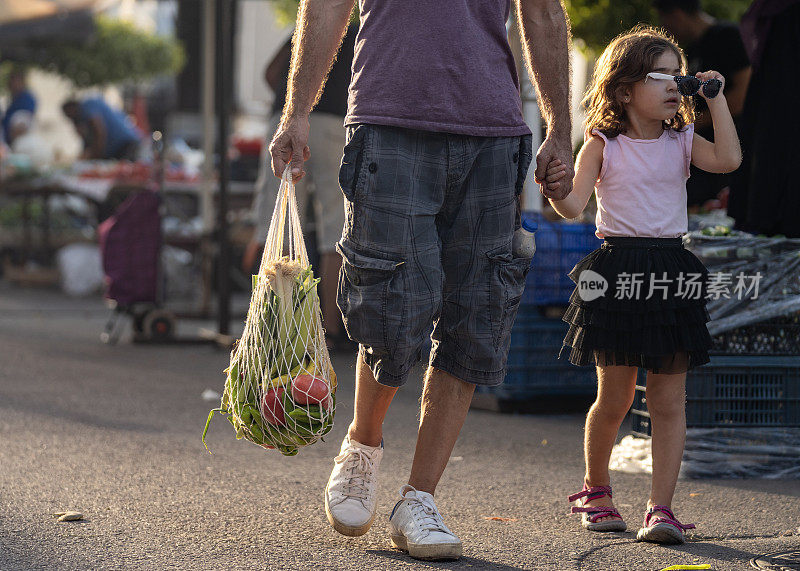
(291, 136)
(555, 148)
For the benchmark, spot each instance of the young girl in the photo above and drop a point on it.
(640, 142)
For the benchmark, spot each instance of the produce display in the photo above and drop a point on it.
(762, 320)
(718, 230)
(129, 172)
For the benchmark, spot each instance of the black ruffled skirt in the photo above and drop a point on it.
(652, 313)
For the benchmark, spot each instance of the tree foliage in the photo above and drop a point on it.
(597, 22)
(118, 52)
(286, 12)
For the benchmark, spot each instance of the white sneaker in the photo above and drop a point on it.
(350, 493)
(417, 527)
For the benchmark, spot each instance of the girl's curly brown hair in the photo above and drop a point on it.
(626, 60)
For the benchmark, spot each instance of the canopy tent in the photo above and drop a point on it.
(20, 37)
(26, 24)
(17, 10)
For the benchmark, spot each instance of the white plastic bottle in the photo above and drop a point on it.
(523, 244)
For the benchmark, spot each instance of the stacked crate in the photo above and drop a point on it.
(534, 370)
(734, 391)
(559, 246)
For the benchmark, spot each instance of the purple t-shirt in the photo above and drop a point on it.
(441, 66)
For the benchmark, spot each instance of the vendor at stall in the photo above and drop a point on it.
(22, 100)
(106, 132)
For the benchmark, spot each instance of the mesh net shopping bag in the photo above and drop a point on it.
(280, 386)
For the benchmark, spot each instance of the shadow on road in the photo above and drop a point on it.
(53, 410)
(471, 562)
(712, 551)
(789, 488)
(697, 550)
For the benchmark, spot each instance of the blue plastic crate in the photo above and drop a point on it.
(559, 246)
(557, 379)
(734, 392)
(534, 369)
(548, 334)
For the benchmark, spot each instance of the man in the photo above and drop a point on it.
(435, 160)
(327, 136)
(106, 132)
(709, 44)
(22, 100)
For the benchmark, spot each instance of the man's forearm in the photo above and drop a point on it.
(545, 43)
(320, 29)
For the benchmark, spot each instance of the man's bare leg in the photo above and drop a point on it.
(351, 490)
(445, 403)
(416, 526)
(371, 403)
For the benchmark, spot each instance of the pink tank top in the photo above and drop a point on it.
(641, 190)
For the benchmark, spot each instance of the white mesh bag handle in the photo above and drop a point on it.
(280, 386)
(285, 204)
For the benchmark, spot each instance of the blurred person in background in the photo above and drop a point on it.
(709, 44)
(321, 184)
(765, 192)
(106, 132)
(21, 100)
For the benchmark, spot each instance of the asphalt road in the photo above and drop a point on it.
(114, 432)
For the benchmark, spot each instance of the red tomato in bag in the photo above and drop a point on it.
(308, 389)
(272, 407)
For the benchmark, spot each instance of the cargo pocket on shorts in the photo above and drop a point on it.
(371, 297)
(350, 175)
(506, 285)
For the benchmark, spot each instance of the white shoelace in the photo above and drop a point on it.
(427, 515)
(359, 465)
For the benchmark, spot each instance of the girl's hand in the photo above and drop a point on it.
(705, 76)
(556, 146)
(556, 170)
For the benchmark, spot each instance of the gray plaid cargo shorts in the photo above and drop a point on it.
(426, 244)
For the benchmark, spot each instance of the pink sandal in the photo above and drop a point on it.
(590, 514)
(660, 529)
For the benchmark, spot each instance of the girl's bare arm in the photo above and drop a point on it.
(587, 169)
(725, 153)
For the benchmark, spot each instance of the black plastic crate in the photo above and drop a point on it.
(734, 392)
(777, 336)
